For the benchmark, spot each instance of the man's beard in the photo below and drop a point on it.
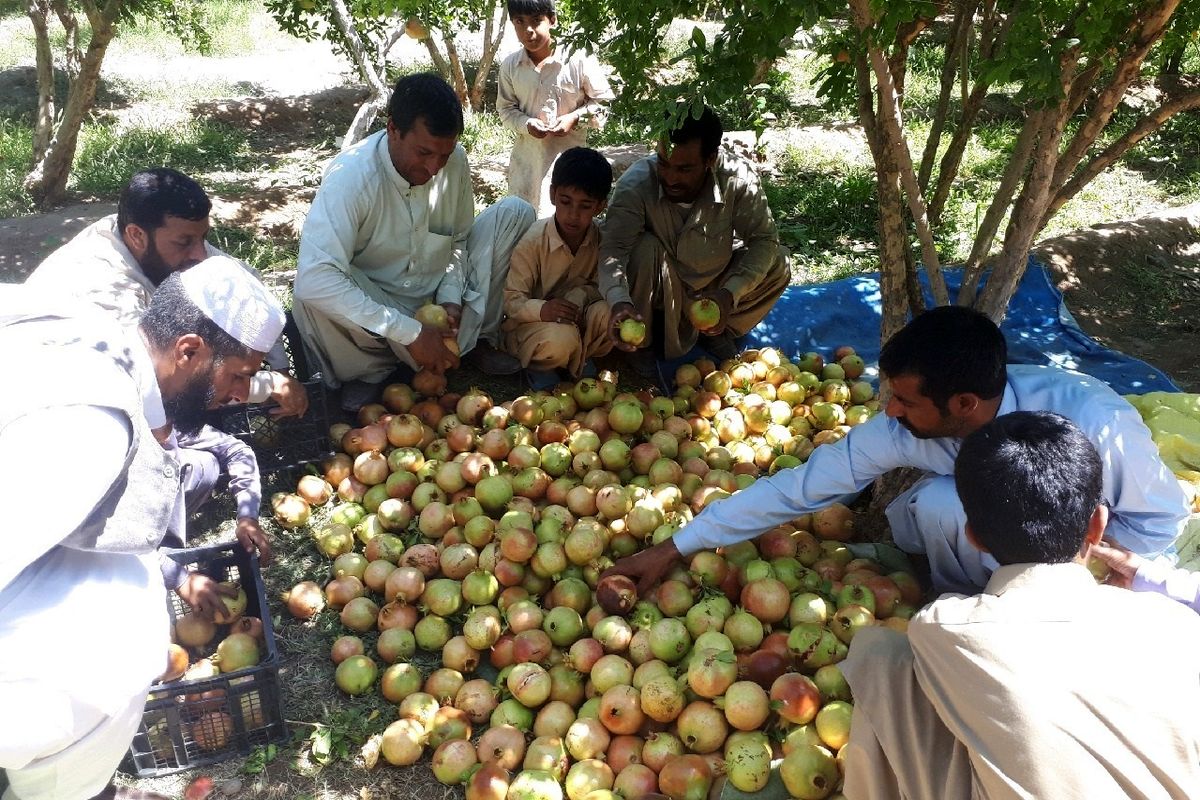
(155, 267)
(188, 411)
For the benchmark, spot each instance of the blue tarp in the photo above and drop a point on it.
(1038, 327)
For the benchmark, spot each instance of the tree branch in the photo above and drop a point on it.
(1023, 223)
(435, 55)
(370, 72)
(959, 34)
(1152, 25)
(1106, 158)
(1014, 171)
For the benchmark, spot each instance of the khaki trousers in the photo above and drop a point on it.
(899, 749)
(553, 345)
(658, 281)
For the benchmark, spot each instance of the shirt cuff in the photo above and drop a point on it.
(686, 541)
(531, 311)
(261, 385)
(1151, 576)
(618, 294)
(173, 573)
(738, 286)
(405, 331)
(248, 504)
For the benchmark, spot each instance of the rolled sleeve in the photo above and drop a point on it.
(832, 471)
(237, 460)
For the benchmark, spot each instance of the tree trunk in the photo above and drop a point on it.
(1106, 158)
(492, 36)
(43, 125)
(435, 55)
(372, 69)
(893, 238)
(891, 135)
(47, 181)
(458, 78)
(364, 118)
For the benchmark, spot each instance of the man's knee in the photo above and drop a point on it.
(930, 508)
(554, 346)
(199, 476)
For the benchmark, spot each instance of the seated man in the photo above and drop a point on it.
(686, 223)
(1045, 685)
(116, 263)
(948, 377)
(556, 317)
(392, 228)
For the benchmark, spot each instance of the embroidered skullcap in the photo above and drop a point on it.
(236, 300)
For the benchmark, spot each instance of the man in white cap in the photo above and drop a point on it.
(161, 226)
(83, 628)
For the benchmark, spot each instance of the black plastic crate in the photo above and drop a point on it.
(180, 728)
(280, 442)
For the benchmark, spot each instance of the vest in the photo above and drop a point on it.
(88, 359)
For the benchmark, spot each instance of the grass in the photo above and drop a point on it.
(108, 155)
(16, 143)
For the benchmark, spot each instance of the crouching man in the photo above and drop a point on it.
(1045, 684)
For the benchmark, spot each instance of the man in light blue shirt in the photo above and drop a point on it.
(948, 376)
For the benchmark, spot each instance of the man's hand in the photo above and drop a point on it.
(724, 300)
(290, 394)
(453, 316)
(536, 128)
(620, 312)
(648, 566)
(252, 537)
(204, 594)
(430, 352)
(558, 310)
(564, 125)
(1122, 563)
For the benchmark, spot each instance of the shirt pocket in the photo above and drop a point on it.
(434, 256)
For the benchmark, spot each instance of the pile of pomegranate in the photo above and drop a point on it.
(480, 532)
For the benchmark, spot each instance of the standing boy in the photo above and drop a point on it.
(556, 317)
(543, 96)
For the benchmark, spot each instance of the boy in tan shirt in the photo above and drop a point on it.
(557, 319)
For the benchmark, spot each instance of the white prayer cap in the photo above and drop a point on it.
(234, 298)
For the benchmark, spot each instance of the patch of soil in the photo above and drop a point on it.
(1134, 285)
(28, 240)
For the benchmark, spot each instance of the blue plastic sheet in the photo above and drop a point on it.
(1038, 327)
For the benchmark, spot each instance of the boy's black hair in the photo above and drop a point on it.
(532, 8)
(707, 128)
(952, 349)
(426, 96)
(585, 169)
(154, 194)
(1029, 482)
